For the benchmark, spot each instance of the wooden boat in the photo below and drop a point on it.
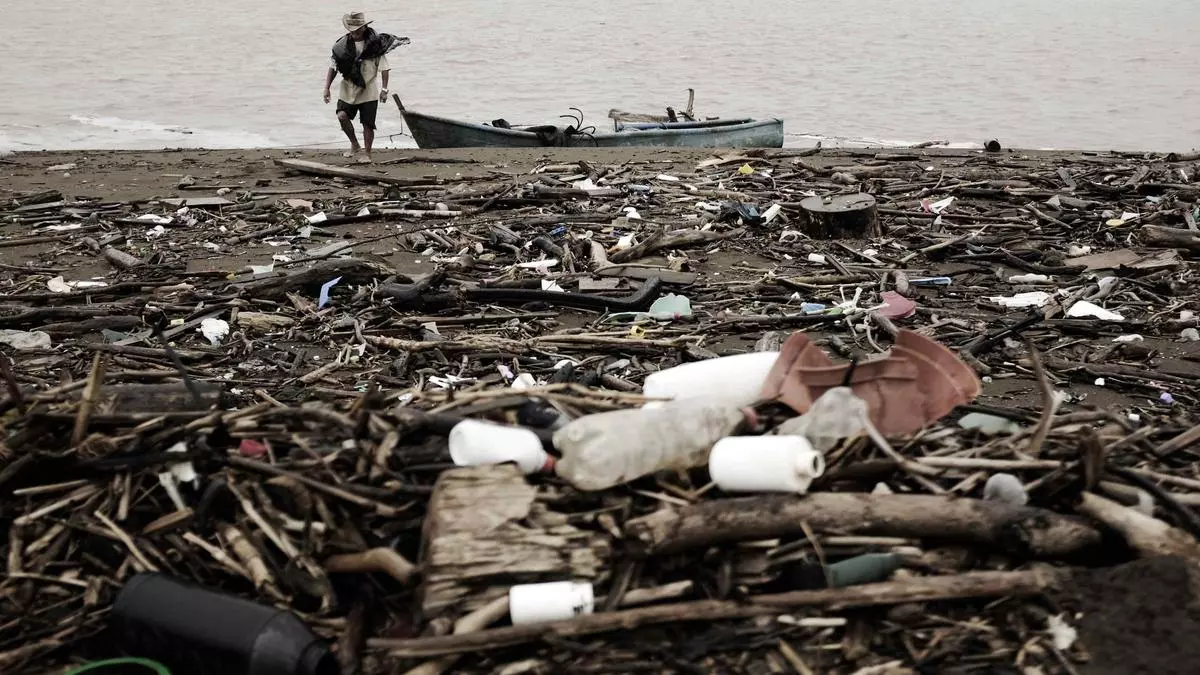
(431, 131)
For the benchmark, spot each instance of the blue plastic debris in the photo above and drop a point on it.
(324, 298)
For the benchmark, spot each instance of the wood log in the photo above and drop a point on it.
(485, 530)
(72, 328)
(1018, 529)
(120, 259)
(1170, 237)
(841, 217)
(167, 397)
(916, 589)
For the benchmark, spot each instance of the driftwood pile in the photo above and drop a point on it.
(279, 432)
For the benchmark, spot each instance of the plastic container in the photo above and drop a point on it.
(731, 380)
(194, 631)
(764, 464)
(474, 442)
(610, 448)
(551, 601)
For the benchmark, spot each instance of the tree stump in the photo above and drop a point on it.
(486, 531)
(841, 217)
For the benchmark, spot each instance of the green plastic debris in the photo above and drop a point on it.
(121, 665)
(863, 569)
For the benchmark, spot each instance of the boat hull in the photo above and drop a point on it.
(431, 131)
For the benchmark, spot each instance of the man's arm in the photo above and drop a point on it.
(383, 78)
(329, 75)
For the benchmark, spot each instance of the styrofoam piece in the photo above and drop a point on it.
(764, 464)
(550, 601)
(1083, 308)
(475, 442)
(734, 380)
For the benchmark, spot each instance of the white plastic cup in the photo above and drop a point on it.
(735, 380)
(550, 601)
(764, 464)
(474, 442)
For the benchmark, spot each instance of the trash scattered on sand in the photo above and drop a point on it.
(550, 415)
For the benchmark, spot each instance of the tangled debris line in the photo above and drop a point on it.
(277, 428)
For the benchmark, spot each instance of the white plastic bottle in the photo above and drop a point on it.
(476, 442)
(765, 464)
(610, 448)
(731, 380)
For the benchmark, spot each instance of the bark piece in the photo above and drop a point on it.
(486, 531)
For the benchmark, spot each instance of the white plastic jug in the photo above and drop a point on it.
(734, 380)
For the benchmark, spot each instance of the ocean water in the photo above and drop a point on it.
(145, 74)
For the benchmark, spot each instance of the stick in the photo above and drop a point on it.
(375, 560)
(917, 589)
(124, 537)
(1021, 529)
(1050, 401)
(90, 392)
(471, 623)
(254, 465)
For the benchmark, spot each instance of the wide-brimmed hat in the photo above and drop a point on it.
(354, 20)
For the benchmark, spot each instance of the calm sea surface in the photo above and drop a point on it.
(1098, 74)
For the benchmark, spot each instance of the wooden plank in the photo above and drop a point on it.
(486, 530)
(331, 171)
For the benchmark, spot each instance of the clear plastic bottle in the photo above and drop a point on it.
(837, 414)
(610, 448)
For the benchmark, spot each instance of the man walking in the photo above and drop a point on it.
(360, 57)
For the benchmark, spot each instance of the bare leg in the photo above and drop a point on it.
(368, 139)
(348, 127)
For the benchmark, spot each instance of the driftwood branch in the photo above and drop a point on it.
(1019, 529)
(1146, 534)
(680, 239)
(278, 284)
(917, 589)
